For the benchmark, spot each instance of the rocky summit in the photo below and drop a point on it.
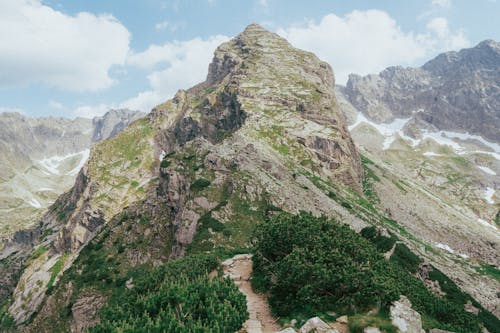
(261, 142)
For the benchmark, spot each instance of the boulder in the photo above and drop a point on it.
(404, 317)
(342, 320)
(317, 325)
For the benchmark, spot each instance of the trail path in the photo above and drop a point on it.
(239, 269)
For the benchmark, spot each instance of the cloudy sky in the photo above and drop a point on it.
(81, 57)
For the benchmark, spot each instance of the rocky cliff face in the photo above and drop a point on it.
(41, 158)
(456, 91)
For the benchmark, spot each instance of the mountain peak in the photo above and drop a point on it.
(254, 27)
(489, 43)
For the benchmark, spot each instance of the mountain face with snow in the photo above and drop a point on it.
(40, 158)
(446, 114)
(456, 91)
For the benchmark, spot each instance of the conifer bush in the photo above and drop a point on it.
(311, 265)
(176, 297)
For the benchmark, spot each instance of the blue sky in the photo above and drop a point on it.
(82, 57)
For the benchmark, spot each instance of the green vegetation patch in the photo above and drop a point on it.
(7, 323)
(382, 243)
(314, 264)
(369, 178)
(199, 184)
(55, 270)
(358, 322)
(165, 163)
(489, 270)
(38, 252)
(179, 297)
(405, 258)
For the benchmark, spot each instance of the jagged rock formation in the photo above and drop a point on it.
(265, 120)
(457, 91)
(41, 158)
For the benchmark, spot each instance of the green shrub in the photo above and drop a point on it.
(382, 243)
(165, 163)
(358, 322)
(405, 258)
(7, 323)
(311, 265)
(346, 205)
(199, 184)
(300, 252)
(176, 297)
(55, 270)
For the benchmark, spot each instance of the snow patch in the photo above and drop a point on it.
(43, 189)
(388, 130)
(162, 155)
(33, 202)
(487, 170)
(488, 195)
(449, 249)
(466, 136)
(431, 153)
(85, 156)
(445, 247)
(446, 138)
(52, 164)
(485, 223)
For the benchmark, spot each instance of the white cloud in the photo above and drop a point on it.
(40, 44)
(366, 42)
(175, 65)
(441, 3)
(447, 39)
(91, 111)
(56, 105)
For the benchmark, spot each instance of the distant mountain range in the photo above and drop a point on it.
(456, 91)
(41, 158)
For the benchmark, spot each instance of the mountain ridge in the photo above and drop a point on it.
(456, 91)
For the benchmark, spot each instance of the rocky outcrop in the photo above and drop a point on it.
(85, 312)
(112, 123)
(316, 325)
(404, 317)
